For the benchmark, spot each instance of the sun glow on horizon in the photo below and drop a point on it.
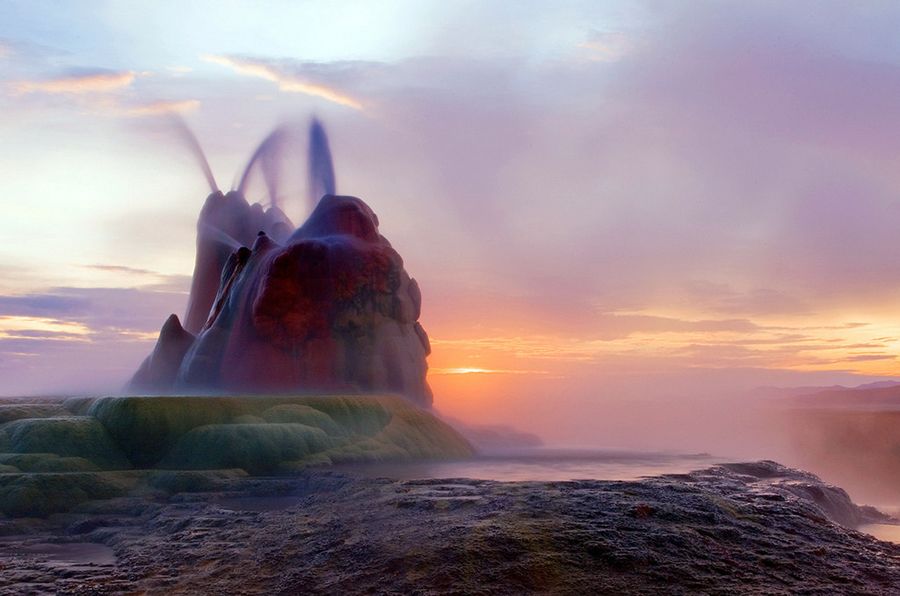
(654, 341)
(471, 370)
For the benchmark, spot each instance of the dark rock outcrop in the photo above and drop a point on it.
(724, 531)
(159, 369)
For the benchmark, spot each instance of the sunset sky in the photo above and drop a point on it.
(600, 200)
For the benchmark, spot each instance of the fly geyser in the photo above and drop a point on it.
(326, 307)
(301, 347)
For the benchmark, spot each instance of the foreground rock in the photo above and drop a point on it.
(740, 529)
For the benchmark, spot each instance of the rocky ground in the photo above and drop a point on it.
(732, 529)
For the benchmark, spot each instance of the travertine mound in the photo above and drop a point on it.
(331, 309)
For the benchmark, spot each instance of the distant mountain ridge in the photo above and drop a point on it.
(876, 393)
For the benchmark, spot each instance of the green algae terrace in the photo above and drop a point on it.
(54, 456)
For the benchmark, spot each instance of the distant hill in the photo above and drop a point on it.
(849, 435)
(878, 394)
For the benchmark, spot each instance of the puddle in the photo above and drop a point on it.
(81, 553)
(257, 504)
(886, 532)
(542, 464)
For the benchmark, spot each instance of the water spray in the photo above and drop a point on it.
(190, 141)
(267, 156)
(320, 168)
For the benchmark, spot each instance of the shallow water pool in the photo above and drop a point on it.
(886, 532)
(542, 464)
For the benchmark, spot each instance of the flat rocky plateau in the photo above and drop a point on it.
(755, 528)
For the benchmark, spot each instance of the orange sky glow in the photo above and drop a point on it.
(603, 207)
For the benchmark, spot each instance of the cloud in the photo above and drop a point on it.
(620, 343)
(149, 280)
(722, 297)
(158, 108)
(868, 357)
(40, 305)
(123, 269)
(109, 105)
(99, 309)
(103, 82)
(607, 46)
(291, 82)
(41, 328)
(750, 150)
(79, 339)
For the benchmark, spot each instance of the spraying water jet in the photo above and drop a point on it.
(320, 169)
(266, 156)
(190, 141)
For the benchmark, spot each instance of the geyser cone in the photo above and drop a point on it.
(225, 215)
(158, 371)
(226, 223)
(326, 307)
(333, 310)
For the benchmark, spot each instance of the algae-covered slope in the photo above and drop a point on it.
(56, 455)
(266, 434)
(263, 434)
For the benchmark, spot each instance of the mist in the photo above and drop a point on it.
(506, 297)
(619, 231)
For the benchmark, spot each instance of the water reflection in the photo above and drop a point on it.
(886, 532)
(542, 464)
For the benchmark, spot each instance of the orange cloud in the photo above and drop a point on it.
(158, 108)
(115, 106)
(285, 81)
(77, 85)
(675, 341)
(43, 327)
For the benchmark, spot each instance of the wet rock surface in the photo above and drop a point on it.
(732, 529)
